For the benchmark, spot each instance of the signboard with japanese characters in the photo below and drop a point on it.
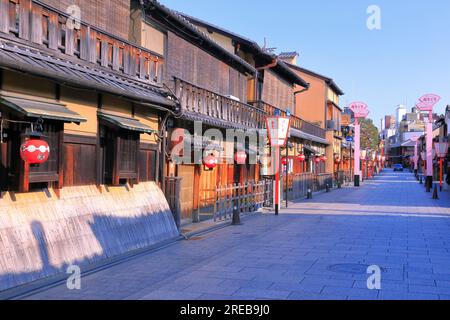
(428, 101)
(278, 130)
(360, 109)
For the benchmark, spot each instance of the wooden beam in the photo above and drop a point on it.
(53, 31)
(116, 164)
(36, 24)
(4, 16)
(196, 192)
(137, 153)
(24, 19)
(60, 157)
(24, 172)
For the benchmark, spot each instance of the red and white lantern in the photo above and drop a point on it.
(210, 162)
(35, 151)
(240, 157)
(301, 157)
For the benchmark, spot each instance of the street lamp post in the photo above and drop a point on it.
(360, 110)
(278, 128)
(416, 156)
(363, 154)
(441, 152)
(426, 103)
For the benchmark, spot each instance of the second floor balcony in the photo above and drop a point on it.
(39, 25)
(296, 122)
(201, 104)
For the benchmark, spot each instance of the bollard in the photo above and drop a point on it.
(429, 183)
(236, 216)
(327, 188)
(309, 195)
(339, 185)
(420, 179)
(435, 193)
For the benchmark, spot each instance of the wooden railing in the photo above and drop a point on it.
(247, 197)
(323, 180)
(296, 122)
(204, 102)
(45, 26)
(299, 186)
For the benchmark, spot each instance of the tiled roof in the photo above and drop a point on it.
(181, 26)
(288, 55)
(328, 80)
(281, 68)
(19, 57)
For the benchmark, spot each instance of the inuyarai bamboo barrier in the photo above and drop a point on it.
(40, 235)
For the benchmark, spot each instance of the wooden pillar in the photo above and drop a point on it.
(61, 157)
(196, 193)
(24, 171)
(116, 166)
(3, 167)
(138, 152)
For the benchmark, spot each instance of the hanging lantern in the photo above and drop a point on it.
(323, 159)
(35, 151)
(240, 157)
(317, 159)
(337, 160)
(301, 157)
(284, 161)
(210, 162)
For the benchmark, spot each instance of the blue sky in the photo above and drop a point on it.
(408, 57)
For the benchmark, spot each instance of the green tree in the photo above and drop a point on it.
(370, 136)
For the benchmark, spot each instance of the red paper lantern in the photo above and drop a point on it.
(240, 157)
(301, 158)
(317, 160)
(210, 162)
(35, 151)
(284, 161)
(323, 159)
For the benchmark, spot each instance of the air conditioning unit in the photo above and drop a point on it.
(234, 98)
(331, 125)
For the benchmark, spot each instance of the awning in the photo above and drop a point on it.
(32, 108)
(306, 136)
(125, 123)
(409, 143)
(310, 150)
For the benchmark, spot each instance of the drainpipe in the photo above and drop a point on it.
(274, 63)
(295, 96)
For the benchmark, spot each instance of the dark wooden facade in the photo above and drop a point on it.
(87, 58)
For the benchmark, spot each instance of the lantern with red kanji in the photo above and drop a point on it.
(35, 151)
(210, 162)
(301, 158)
(240, 157)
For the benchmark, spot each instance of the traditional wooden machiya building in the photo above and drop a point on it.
(268, 87)
(96, 96)
(320, 106)
(273, 90)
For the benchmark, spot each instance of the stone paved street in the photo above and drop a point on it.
(314, 250)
